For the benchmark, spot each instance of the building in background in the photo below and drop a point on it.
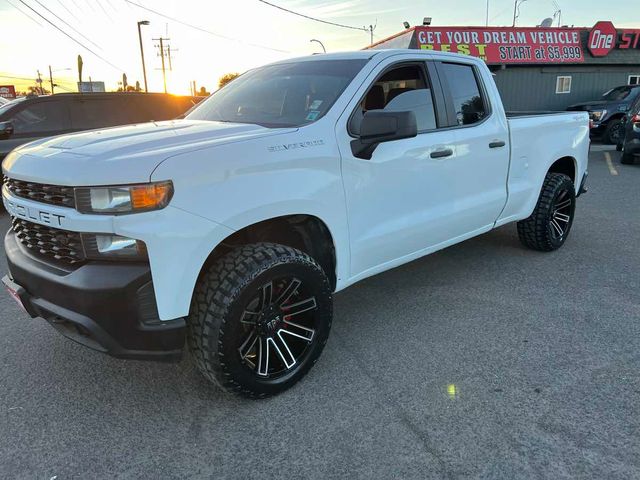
(539, 68)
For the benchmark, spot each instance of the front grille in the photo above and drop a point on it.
(59, 245)
(40, 192)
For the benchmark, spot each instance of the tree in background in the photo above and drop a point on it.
(226, 78)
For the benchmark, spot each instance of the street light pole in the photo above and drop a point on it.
(321, 44)
(51, 79)
(487, 18)
(144, 69)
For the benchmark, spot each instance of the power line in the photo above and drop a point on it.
(205, 30)
(17, 78)
(69, 36)
(313, 18)
(67, 9)
(24, 13)
(67, 24)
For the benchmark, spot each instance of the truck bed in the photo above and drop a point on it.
(533, 113)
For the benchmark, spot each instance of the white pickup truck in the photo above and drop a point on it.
(231, 229)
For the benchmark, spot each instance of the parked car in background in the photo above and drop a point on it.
(30, 118)
(3, 101)
(607, 113)
(629, 142)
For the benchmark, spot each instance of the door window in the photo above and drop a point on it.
(468, 103)
(42, 117)
(402, 89)
(97, 113)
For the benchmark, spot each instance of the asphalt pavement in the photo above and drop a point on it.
(485, 360)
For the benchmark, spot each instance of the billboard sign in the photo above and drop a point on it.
(91, 87)
(8, 91)
(504, 44)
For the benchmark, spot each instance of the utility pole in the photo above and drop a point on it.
(39, 82)
(51, 79)
(162, 54)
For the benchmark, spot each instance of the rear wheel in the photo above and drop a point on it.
(627, 158)
(548, 226)
(260, 317)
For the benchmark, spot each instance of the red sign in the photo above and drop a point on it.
(629, 39)
(7, 91)
(505, 45)
(602, 39)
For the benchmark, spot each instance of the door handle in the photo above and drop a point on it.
(447, 152)
(497, 144)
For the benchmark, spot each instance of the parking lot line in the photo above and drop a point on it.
(612, 168)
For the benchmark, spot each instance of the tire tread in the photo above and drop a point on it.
(212, 299)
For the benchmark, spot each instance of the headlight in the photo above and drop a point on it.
(124, 199)
(597, 115)
(104, 246)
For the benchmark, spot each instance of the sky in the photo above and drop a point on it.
(233, 36)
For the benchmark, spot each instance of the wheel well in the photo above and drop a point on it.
(304, 232)
(565, 165)
(617, 116)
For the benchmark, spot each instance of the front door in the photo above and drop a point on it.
(423, 193)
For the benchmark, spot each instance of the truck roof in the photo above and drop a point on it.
(368, 54)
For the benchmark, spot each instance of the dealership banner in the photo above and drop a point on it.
(504, 44)
(8, 91)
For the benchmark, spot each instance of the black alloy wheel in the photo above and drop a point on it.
(548, 227)
(279, 327)
(562, 210)
(260, 317)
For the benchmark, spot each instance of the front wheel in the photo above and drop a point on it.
(613, 132)
(548, 226)
(259, 319)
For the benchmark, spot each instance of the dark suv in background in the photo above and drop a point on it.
(607, 113)
(30, 118)
(629, 143)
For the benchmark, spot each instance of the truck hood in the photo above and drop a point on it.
(127, 154)
(586, 106)
(610, 106)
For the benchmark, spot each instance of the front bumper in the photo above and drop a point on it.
(109, 307)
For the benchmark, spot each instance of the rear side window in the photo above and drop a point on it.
(42, 117)
(468, 103)
(97, 113)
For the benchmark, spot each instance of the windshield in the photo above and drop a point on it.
(282, 95)
(6, 106)
(619, 93)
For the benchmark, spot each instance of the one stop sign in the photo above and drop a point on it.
(602, 39)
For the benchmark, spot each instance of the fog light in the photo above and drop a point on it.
(101, 246)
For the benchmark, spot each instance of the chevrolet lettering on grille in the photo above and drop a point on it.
(35, 214)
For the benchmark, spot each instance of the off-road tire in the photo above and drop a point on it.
(217, 305)
(535, 232)
(608, 138)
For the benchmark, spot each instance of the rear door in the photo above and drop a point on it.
(477, 175)
(43, 117)
(89, 112)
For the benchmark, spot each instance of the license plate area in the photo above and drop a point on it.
(16, 292)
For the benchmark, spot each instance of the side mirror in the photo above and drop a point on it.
(6, 130)
(379, 126)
